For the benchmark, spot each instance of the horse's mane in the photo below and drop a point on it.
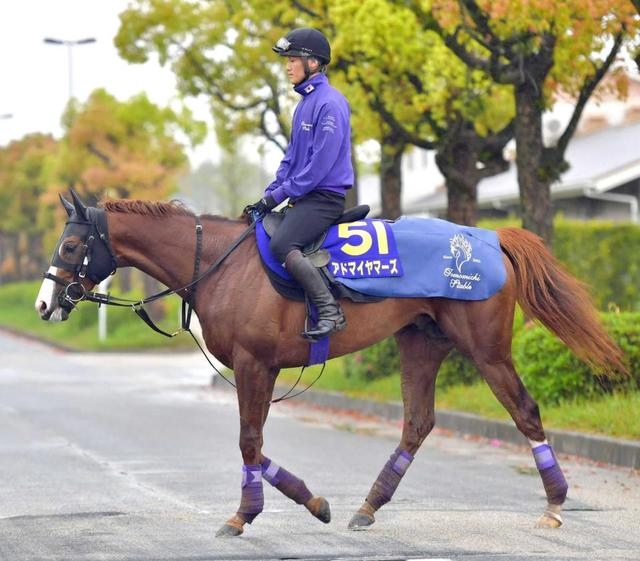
(153, 208)
(145, 208)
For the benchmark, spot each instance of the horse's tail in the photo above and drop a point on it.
(548, 293)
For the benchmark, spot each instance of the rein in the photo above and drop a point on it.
(137, 306)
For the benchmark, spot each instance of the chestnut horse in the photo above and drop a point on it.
(251, 329)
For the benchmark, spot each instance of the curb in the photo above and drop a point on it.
(614, 451)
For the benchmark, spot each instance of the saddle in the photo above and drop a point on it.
(318, 256)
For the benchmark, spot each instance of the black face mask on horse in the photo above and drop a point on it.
(82, 250)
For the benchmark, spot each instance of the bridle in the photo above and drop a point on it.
(96, 238)
(98, 262)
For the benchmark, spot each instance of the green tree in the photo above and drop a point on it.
(426, 97)
(227, 187)
(222, 50)
(25, 173)
(125, 148)
(537, 48)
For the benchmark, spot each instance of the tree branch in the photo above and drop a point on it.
(211, 86)
(585, 93)
(304, 9)
(268, 135)
(377, 105)
(100, 154)
(274, 104)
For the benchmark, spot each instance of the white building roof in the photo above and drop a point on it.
(599, 161)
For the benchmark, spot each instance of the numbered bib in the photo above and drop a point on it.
(363, 249)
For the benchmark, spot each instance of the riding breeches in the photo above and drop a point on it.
(305, 221)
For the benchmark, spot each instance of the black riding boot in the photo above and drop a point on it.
(330, 316)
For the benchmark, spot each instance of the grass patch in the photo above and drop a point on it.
(614, 415)
(125, 331)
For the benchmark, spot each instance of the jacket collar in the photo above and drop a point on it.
(309, 86)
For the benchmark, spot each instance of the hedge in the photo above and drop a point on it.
(548, 369)
(552, 373)
(605, 255)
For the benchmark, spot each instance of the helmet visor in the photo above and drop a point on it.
(283, 44)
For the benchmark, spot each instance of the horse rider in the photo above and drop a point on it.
(315, 172)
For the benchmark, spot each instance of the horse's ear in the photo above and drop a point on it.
(79, 207)
(67, 205)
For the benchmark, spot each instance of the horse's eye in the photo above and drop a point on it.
(69, 247)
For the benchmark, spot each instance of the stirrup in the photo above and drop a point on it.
(338, 325)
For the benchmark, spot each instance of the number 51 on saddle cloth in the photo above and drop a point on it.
(408, 258)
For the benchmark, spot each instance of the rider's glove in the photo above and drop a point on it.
(262, 207)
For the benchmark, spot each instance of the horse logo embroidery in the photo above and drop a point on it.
(461, 250)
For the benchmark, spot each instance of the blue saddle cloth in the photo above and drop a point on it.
(409, 258)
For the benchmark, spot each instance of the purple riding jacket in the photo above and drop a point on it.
(319, 153)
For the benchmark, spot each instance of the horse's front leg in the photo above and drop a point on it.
(255, 389)
(254, 385)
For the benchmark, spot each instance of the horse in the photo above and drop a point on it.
(255, 332)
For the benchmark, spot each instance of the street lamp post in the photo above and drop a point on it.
(70, 45)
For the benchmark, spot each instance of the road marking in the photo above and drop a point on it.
(386, 558)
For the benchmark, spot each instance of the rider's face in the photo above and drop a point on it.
(295, 69)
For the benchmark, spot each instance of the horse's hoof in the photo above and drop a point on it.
(549, 520)
(228, 531)
(361, 521)
(232, 528)
(319, 507)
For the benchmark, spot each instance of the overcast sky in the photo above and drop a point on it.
(34, 75)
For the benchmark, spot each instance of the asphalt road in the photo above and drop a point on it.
(135, 457)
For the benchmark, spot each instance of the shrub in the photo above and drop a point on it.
(602, 254)
(375, 362)
(547, 367)
(605, 255)
(552, 373)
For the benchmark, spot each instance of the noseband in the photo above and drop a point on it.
(96, 262)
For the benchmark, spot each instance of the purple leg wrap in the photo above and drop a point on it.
(287, 483)
(389, 478)
(555, 485)
(252, 496)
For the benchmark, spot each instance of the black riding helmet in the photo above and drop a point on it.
(304, 42)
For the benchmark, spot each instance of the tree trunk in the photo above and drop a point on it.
(37, 263)
(3, 256)
(124, 279)
(391, 175)
(457, 159)
(155, 309)
(462, 201)
(535, 191)
(352, 194)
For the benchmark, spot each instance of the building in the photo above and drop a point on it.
(603, 180)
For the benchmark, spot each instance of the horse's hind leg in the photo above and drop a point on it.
(420, 359)
(490, 349)
(508, 388)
